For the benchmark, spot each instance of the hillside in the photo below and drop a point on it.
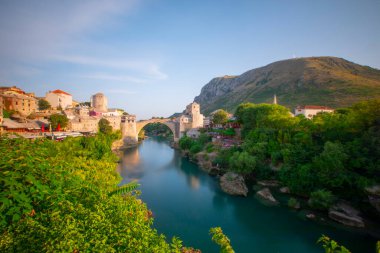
(327, 81)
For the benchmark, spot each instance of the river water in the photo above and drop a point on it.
(186, 202)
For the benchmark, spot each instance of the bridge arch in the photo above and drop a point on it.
(140, 125)
(130, 128)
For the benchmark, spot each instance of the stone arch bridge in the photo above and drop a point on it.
(130, 128)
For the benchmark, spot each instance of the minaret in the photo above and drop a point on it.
(275, 99)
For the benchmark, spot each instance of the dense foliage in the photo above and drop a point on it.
(334, 154)
(7, 114)
(220, 117)
(195, 145)
(63, 197)
(104, 126)
(43, 104)
(58, 119)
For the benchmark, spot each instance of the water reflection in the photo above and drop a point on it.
(130, 167)
(194, 182)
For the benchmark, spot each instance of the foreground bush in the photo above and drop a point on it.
(55, 197)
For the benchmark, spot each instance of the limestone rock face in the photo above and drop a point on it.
(268, 183)
(266, 195)
(285, 189)
(203, 161)
(216, 87)
(343, 213)
(374, 196)
(233, 184)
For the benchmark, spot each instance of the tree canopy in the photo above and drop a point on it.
(60, 119)
(220, 117)
(43, 104)
(104, 126)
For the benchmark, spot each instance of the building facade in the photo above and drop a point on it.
(309, 111)
(20, 103)
(84, 124)
(59, 98)
(114, 121)
(15, 99)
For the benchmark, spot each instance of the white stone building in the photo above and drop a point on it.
(59, 98)
(309, 111)
(112, 112)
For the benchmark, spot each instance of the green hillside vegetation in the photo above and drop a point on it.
(326, 81)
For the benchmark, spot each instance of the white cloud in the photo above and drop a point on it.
(104, 76)
(146, 69)
(121, 91)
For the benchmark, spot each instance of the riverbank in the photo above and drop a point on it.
(271, 192)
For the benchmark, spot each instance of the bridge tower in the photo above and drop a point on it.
(128, 129)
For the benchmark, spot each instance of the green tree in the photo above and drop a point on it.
(43, 104)
(104, 126)
(330, 166)
(242, 162)
(7, 114)
(85, 104)
(60, 119)
(185, 143)
(220, 117)
(321, 199)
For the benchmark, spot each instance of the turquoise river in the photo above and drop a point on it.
(186, 202)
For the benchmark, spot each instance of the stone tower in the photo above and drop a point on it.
(275, 99)
(129, 129)
(194, 111)
(99, 102)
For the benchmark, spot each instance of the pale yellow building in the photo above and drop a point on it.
(20, 103)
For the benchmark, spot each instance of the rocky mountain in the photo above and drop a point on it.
(327, 81)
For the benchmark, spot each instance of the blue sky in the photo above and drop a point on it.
(152, 57)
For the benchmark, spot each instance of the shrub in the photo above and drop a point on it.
(293, 203)
(321, 199)
(196, 148)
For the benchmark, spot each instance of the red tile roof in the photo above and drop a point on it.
(315, 107)
(60, 92)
